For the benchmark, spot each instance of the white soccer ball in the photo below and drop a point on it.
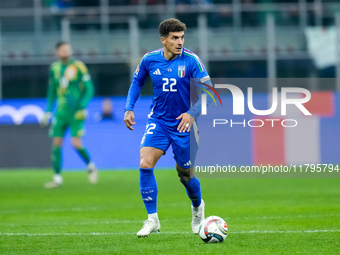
(213, 230)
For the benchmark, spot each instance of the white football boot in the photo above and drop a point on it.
(197, 217)
(150, 226)
(93, 173)
(57, 182)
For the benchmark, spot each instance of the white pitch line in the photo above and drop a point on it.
(84, 209)
(296, 216)
(107, 222)
(285, 231)
(85, 223)
(172, 233)
(75, 209)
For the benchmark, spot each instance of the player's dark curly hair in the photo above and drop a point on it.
(59, 44)
(171, 25)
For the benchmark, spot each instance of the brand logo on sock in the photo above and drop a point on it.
(147, 199)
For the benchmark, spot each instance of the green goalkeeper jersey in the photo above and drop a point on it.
(71, 85)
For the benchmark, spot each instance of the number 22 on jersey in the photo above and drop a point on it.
(169, 84)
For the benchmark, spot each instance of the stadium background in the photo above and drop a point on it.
(293, 42)
(248, 39)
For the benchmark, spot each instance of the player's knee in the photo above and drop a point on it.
(57, 142)
(184, 175)
(146, 163)
(184, 178)
(76, 143)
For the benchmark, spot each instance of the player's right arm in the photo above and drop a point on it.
(51, 96)
(138, 81)
(129, 118)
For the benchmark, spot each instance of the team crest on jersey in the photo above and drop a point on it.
(63, 82)
(70, 72)
(181, 71)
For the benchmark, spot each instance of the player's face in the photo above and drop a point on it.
(64, 52)
(174, 42)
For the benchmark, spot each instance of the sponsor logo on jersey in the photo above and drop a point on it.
(169, 70)
(157, 72)
(63, 82)
(181, 71)
(137, 70)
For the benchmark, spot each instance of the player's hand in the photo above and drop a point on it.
(80, 114)
(186, 122)
(129, 117)
(46, 119)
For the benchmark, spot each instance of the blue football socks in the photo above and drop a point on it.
(148, 189)
(193, 188)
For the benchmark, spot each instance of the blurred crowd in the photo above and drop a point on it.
(224, 16)
(71, 3)
(83, 3)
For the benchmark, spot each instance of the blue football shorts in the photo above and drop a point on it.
(158, 136)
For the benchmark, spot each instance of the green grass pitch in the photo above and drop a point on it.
(264, 216)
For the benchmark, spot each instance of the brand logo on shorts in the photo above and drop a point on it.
(188, 163)
(143, 139)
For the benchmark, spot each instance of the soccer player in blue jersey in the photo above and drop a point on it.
(171, 118)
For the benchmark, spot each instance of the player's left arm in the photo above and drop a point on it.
(88, 90)
(200, 75)
(186, 122)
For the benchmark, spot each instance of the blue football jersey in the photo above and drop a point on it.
(171, 84)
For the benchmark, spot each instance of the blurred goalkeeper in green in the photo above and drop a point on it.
(70, 84)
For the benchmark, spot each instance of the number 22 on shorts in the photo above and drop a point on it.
(149, 128)
(148, 131)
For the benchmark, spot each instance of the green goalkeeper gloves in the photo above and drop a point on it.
(46, 119)
(81, 114)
